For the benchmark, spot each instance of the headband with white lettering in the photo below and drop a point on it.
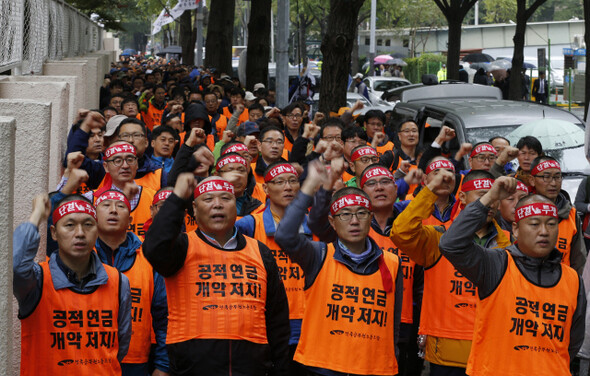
(112, 195)
(225, 160)
(361, 152)
(214, 185)
(438, 164)
(535, 209)
(235, 148)
(375, 172)
(71, 207)
(119, 149)
(545, 165)
(476, 184)
(520, 186)
(350, 200)
(283, 168)
(160, 196)
(483, 148)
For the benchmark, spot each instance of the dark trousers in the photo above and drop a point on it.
(295, 369)
(409, 363)
(541, 98)
(438, 370)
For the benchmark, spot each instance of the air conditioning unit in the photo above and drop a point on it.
(579, 41)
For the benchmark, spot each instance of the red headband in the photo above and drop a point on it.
(476, 184)
(277, 170)
(536, 209)
(438, 164)
(118, 149)
(214, 185)
(545, 165)
(520, 186)
(350, 200)
(112, 195)
(375, 172)
(483, 148)
(230, 159)
(235, 148)
(160, 196)
(71, 207)
(361, 152)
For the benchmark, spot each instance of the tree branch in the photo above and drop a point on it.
(529, 12)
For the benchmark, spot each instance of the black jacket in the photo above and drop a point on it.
(166, 247)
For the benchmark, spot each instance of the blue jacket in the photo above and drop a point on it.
(28, 281)
(123, 259)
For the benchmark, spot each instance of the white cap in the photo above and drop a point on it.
(249, 96)
(113, 124)
(358, 75)
(258, 86)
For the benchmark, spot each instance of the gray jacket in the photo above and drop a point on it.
(486, 267)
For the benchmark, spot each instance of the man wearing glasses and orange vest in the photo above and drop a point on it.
(75, 311)
(353, 290)
(448, 303)
(227, 307)
(531, 306)
(546, 179)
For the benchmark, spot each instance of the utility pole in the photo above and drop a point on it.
(372, 37)
(200, 19)
(282, 70)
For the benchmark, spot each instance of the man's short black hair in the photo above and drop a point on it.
(331, 122)
(256, 106)
(130, 100)
(237, 91)
(115, 83)
(499, 137)
(374, 114)
(107, 108)
(401, 123)
(270, 128)
(131, 121)
(352, 131)
(290, 107)
(164, 129)
(531, 143)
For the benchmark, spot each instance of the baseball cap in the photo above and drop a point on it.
(113, 124)
(249, 96)
(258, 86)
(247, 128)
(358, 75)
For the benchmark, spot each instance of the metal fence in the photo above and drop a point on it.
(34, 31)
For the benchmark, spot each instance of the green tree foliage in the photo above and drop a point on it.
(497, 11)
(111, 14)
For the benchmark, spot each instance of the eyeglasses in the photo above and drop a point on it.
(366, 160)
(346, 217)
(118, 161)
(382, 182)
(482, 158)
(273, 142)
(548, 178)
(409, 131)
(129, 136)
(295, 116)
(282, 182)
(332, 138)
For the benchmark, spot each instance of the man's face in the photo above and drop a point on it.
(130, 109)
(271, 96)
(116, 90)
(236, 99)
(446, 189)
(112, 217)
(293, 120)
(163, 145)
(108, 114)
(536, 235)
(353, 230)
(211, 103)
(282, 189)
(482, 161)
(254, 115)
(159, 95)
(122, 167)
(272, 145)
(508, 205)
(151, 79)
(472, 196)
(95, 141)
(237, 174)
(332, 134)
(382, 192)
(408, 134)
(195, 97)
(216, 212)
(197, 123)
(526, 157)
(116, 103)
(499, 144)
(76, 235)
(373, 125)
(158, 76)
(137, 84)
(350, 144)
(133, 134)
(547, 183)
(361, 163)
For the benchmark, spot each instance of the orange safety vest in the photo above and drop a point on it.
(210, 140)
(220, 124)
(385, 243)
(141, 281)
(258, 193)
(347, 317)
(218, 294)
(153, 117)
(524, 329)
(141, 213)
(259, 178)
(346, 176)
(151, 180)
(567, 231)
(244, 116)
(289, 272)
(382, 149)
(288, 144)
(70, 333)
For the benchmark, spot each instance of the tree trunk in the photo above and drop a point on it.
(515, 83)
(220, 35)
(454, 47)
(188, 38)
(258, 43)
(337, 48)
(354, 65)
(587, 39)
